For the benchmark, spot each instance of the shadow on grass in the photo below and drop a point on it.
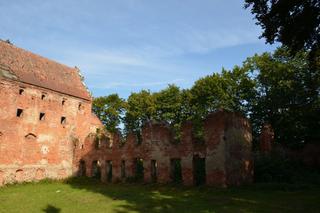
(155, 198)
(51, 209)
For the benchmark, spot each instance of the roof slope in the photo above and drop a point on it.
(36, 70)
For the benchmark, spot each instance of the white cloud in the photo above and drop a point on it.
(149, 54)
(197, 41)
(111, 58)
(97, 61)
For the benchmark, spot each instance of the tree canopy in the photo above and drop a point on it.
(275, 88)
(294, 23)
(110, 110)
(287, 96)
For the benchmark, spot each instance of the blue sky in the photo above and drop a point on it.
(122, 46)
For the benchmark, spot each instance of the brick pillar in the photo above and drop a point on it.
(116, 171)
(147, 170)
(103, 170)
(215, 165)
(88, 168)
(187, 171)
(129, 168)
(266, 138)
(164, 171)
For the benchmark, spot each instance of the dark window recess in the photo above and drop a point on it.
(138, 137)
(199, 170)
(139, 170)
(80, 106)
(97, 143)
(107, 142)
(19, 112)
(63, 120)
(96, 169)
(82, 168)
(175, 167)
(43, 96)
(21, 91)
(63, 101)
(109, 170)
(154, 174)
(42, 116)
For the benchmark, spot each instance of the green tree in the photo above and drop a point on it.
(287, 96)
(169, 104)
(294, 23)
(288, 80)
(110, 110)
(230, 90)
(140, 108)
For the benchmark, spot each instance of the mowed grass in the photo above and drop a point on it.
(86, 195)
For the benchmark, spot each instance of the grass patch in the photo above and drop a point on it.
(87, 195)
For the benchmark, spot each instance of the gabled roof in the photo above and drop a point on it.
(27, 67)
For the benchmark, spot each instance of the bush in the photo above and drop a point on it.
(278, 167)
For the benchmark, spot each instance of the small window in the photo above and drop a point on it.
(43, 96)
(107, 142)
(154, 174)
(80, 107)
(42, 116)
(97, 143)
(63, 120)
(21, 91)
(19, 112)
(63, 101)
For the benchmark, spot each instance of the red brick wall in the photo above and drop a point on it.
(32, 149)
(227, 151)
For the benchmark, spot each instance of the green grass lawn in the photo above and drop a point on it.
(85, 195)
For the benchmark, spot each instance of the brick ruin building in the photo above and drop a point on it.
(224, 158)
(44, 110)
(47, 130)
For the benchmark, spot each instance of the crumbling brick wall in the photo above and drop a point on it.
(224, 157)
